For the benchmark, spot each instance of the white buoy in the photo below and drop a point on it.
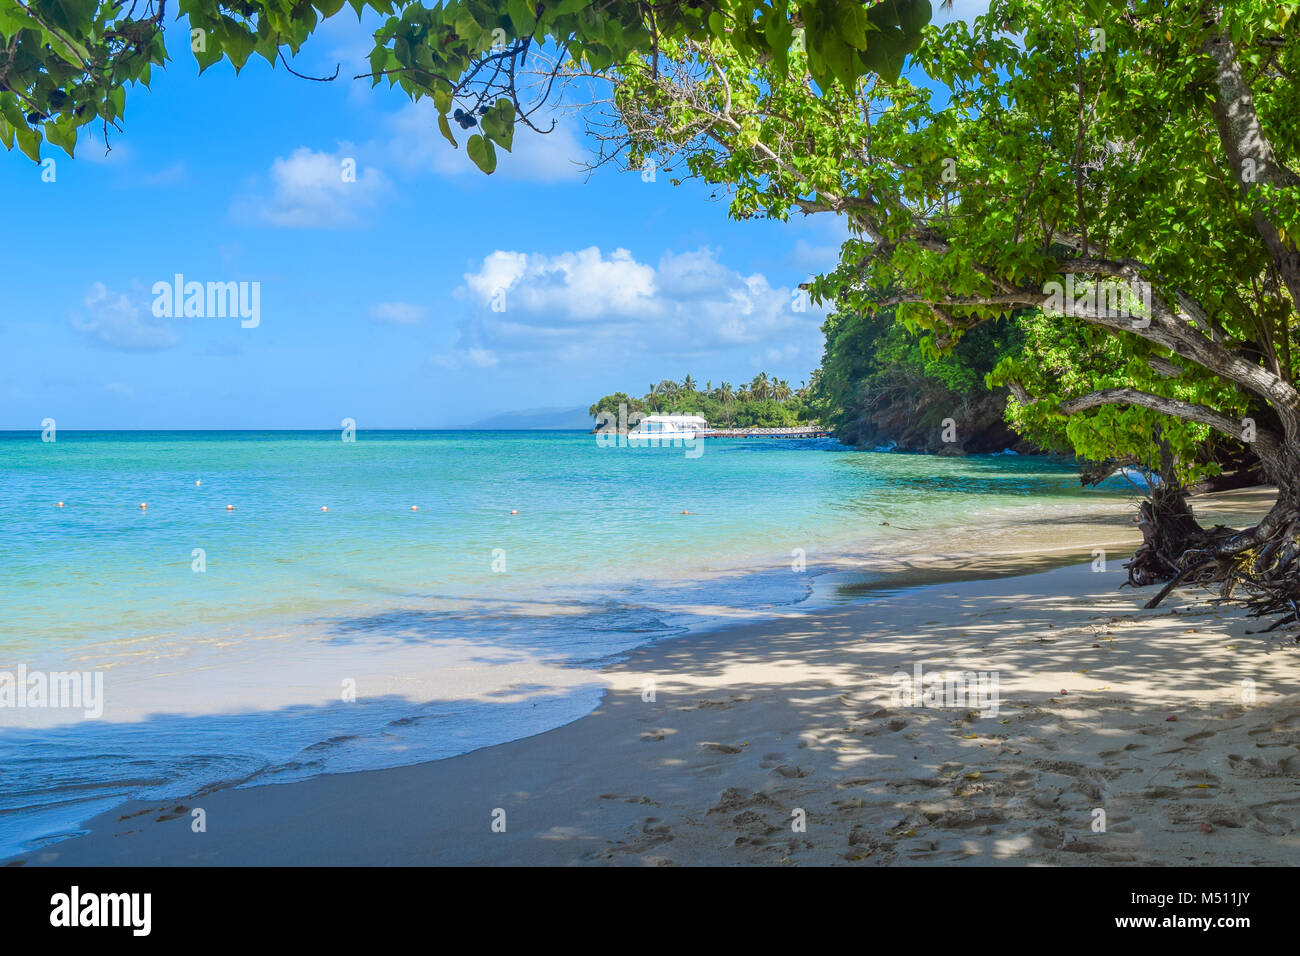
(143, 506)
(230, 507)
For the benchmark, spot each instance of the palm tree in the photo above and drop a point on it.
(759, 387)
(688, 383)
(725, 393)
(781, 390)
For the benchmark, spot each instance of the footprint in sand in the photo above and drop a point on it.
(720, 748)
(1125, 749)
(792, 773)
(1259, 767)
(654, 833)
(735, 799)
(716, 704)
(618, 796)
(966, 819)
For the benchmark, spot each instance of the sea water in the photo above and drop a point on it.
(276, 640)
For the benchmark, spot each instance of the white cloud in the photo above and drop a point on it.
(122, 321)
(586, 304)
(582, 285)
(398, 313)
(315, 190)
(417, 146)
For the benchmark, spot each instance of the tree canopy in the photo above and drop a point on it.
(68, 63)
(764, 402)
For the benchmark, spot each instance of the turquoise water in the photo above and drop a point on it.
(458, 624)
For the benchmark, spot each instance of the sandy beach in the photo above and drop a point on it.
(1116, 736)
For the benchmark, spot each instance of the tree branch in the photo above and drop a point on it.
(1266, 440)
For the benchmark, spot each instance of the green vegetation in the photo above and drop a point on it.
(765, 402)
(67, 63)
(877, 384)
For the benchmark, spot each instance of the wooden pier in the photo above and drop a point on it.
(799, 432)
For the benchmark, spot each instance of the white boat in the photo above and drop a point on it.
(670, 428)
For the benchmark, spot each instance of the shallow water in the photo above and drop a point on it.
(276, 640)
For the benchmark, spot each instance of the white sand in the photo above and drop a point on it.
(749, 725)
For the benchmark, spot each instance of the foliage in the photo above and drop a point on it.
(868, 354)
(764, 402)
(66, 63)
(1063, 356)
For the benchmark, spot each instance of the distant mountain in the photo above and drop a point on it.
(539, 419)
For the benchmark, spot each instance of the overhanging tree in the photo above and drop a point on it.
(65, 64)
(1131, 153)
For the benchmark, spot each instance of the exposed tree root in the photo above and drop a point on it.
(1257, 567)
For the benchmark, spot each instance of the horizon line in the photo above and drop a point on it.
(370, 428)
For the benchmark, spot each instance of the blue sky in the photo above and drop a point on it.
(375, 295)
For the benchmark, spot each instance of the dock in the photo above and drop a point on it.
(798, 432)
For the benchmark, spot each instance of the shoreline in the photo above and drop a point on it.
(753, 721)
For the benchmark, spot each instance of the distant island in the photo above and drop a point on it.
(763, 402)
(535, 419)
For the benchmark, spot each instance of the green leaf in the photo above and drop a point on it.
(62, 133)
(499, 123)
(239, 47)
(442, 98)
(29, 141)
(210, 53)
(482, 152)
(523, 19)
(914, 15)
(12, 18)
(445, 128)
